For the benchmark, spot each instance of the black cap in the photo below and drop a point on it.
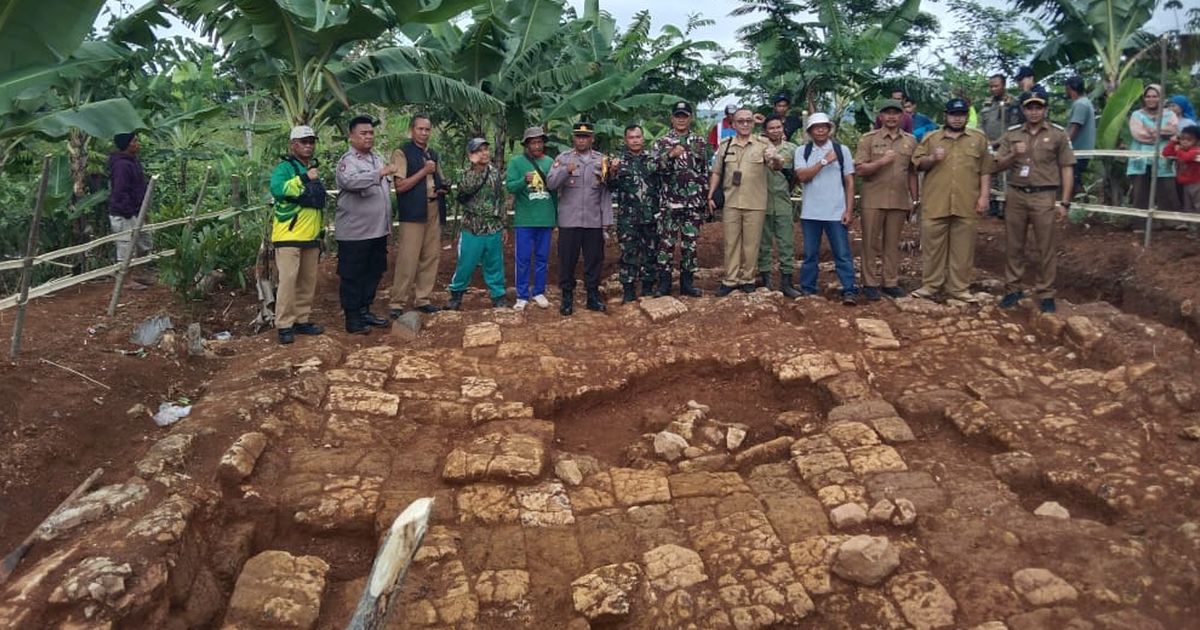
(681, 107)
(1022, 72)
(781, 98)
(474, 144)
(957, 106)
(122, 140)
(1034, 96)
(583, 128)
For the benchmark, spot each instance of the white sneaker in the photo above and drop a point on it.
(541, 301)
(520, 305)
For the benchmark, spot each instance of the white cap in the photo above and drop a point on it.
(819, 118)
(300, 132)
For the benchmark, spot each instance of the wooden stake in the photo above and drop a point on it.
(1157, 147)
(390, 566)
(76, 373)
(27, 265)
(200, 197)
(133, 239)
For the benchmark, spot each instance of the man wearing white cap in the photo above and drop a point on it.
(296, 234)
(826, 169)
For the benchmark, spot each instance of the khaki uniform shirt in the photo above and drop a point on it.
(750, 160)
(951, 187)
(779, 190)
(1047, 150)
(401, 163)
(888, 186)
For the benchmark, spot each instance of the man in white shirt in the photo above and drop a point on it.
(826, 169)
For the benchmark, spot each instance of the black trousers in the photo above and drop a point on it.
(570, 242)
(361, 265)
(1080, 167)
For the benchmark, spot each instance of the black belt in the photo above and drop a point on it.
(1033, 189)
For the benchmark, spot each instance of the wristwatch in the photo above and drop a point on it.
(1065, 204)
(824, 162)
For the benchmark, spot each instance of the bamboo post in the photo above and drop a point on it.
(391, 563)
(1157, 144)
(235, 198)
(27, 264)
(200, 197)
(133, 239)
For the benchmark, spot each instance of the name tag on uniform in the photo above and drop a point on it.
(1025, 171)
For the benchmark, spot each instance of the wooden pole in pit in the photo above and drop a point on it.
(390, 566)
(133, 239)
(27, 265)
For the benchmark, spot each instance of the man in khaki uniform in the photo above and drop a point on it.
(1040, 164)
(884, 160)
(741, 169)
(958, 174)
(419, 184)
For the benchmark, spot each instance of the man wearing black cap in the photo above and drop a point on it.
(791, 122)
(584, 210)
(958, 169)
(884, 161)
(682, 160)
(1040, 166)
(127, 187)
(482, 237)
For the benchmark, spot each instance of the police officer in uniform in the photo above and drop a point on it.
(1040, 164)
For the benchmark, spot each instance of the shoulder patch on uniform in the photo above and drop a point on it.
(1015, 127)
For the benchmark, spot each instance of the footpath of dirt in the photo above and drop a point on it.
(1039, 386)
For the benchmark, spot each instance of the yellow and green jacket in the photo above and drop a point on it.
(293, 224)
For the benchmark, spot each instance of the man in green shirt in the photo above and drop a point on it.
(481, 240)
(778, 227)
(1081, 126)
(535, 215)
(296, 228)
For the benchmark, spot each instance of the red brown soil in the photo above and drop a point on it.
(57, 427)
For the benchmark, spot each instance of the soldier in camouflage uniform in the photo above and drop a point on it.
(636, 191)
(682, 160)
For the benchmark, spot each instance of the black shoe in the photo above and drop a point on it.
(567, 306)
(371, 319)
(455, 301)
(725, 289)
(785, 285)
(893, 292)
(648, 286)
(286, 336)
(629, 294)
(687, 286)
(594, 302)
(501, 302)
(1048, 305)
(664, 284)
(871, 293)
(396, 313)
(428, 309)
(849, 299)
(1011, 299)
(764, 279)
(356, 326)
(748, 287)
(308, 329)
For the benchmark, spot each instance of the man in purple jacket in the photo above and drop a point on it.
(127, 187)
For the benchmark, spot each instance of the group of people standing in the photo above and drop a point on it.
(663, 192)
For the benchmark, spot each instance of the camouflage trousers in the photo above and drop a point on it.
(678, 226)
(639, 251)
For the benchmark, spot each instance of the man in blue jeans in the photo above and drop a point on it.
(826, 169)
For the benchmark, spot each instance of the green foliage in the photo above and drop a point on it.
(227, 247)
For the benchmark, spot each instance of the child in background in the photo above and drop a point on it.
(1185, 149)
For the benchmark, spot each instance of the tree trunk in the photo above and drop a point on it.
(249, 115)
(77, 152)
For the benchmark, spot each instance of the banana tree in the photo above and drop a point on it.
(300, 49)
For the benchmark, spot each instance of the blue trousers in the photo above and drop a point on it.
(839, 243)
(532, 242)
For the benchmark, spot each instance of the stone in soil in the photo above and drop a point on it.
(502, 588)
(1052, 509)
(278, 590)
(669, 446)
(112, 499)
(496, 456)
(238, 462)
(923, 600)
(1040, 587)
(671, 567)
(635, 487)
(545, 505)
(482, 335)
(606, 593)
(866, 559)
(662, 309)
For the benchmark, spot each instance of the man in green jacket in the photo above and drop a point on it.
(535, 215)
(295, 233)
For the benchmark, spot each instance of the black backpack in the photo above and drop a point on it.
(837, 148)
